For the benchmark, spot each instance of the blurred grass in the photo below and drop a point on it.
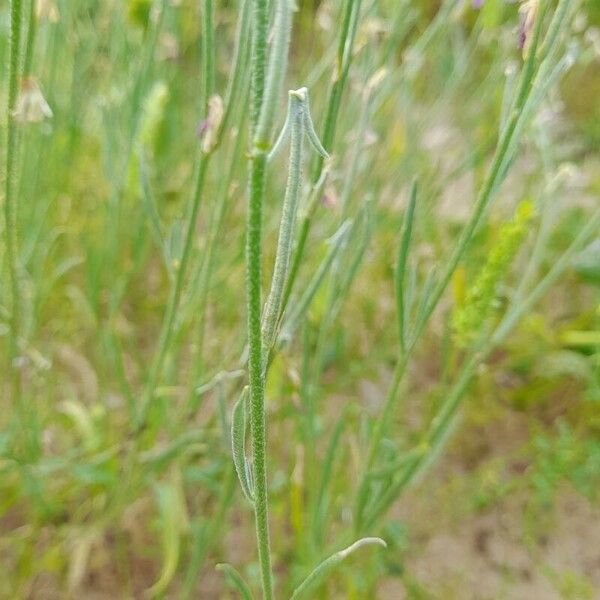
(75, 520)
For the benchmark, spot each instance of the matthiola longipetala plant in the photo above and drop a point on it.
(255, 257)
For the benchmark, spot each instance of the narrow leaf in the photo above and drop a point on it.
(359, 245)
(149, 203)
(309, 127)
(332, 452)
(283, 135)
(236, 581)
(238, 444)
(407, 228)
(330, 563)
(337, 243)
(394, 466)
(273, 305)
(422, 306)
(173, 523)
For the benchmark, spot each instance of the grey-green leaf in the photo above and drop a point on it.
(330, 563)
(336, 243)
(236, 581)
(238, 444)
(407, 228)
(309, 127)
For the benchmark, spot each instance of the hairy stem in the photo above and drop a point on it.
(258, 163)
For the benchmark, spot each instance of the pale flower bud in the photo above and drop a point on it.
(31, 105)
(528, 13)
(47, 9)
(209, 129)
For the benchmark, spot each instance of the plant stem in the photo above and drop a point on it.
(175, 297)
(237, 85)
(236, 98)
(31, 35)
(208, 54)
(258, 162)
(276, 68)
(493, 179)
(260, 21)
(256, 379)
(10, 201)
(442, 423)
(206, 273)
(534, 69)
(168, 324)
(506, 144)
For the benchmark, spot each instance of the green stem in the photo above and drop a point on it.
(442, 423)
(206, 273)
(10, 201)
(257, 175)
(255, 371)
(534, 69)
(506, 146)
(168, 324)
(276, 68)
(237, 82)
(236, 97)
(115, 204)
(113, 233)
(208, 54)
(260, 20)
(31, 35)
(169, 320)
(493, 179)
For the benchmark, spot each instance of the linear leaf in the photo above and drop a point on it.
(238, 444)
(330, 563)
(407, 228)
(235, 580)
(337, 242)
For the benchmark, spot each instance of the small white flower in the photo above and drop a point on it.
(47, 9)
(209, 129)
(31, 105)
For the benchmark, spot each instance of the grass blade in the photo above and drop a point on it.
(405, 240)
